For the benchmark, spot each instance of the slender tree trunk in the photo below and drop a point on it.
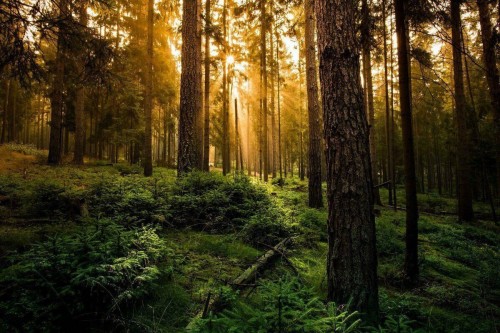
(492, 76)
(464, 147)
(263, 69)
(388, 130)
(367, 75)
(411, 255)
(148, 94)
(190, 119)
(55, 143)
(206, 130)
(80, 103)
(273, 100)
(352, 258)
(279, 105)
(226, 143)
(315, 191)
(5, 111)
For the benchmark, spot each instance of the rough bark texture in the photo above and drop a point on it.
(367, 75)
(190, 118)
(315, 191)
(206, 127)
(79, 149)
(148, 94)
(352, 260)
(490, 63)
(411, 255)
(464, 132)
(56, 98)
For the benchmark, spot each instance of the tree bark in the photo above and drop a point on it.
(148, 94)
(315, 190)
(190, 118)
(226, 142)
(411, 238)
(206, 130)
(57, 103)
(263, 69)
(492, 75)
(80, 103)
(352, 259)
(464, 132)
(367, 75)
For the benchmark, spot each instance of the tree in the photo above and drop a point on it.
(352, 259)
(190, 124)
(57, 98)
(148, 94)
(315, 190)
(206, 129)
(464, 146)
(411, 238)
(79, 149)
(263, 70)
(367, 75)
(492, 76)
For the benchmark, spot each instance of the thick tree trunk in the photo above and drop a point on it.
(190, 118)
(148, 94)
(315, 191)
(206, 129)
(411, 255)
(367, 75)
(80, 103)
(464, 132)
(55, 143)
(490, 63)
(352, 259)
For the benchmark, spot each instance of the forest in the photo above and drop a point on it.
(253, 166)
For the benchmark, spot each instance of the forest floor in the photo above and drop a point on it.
(459, 288)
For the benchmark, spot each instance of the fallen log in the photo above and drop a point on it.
(245, 279)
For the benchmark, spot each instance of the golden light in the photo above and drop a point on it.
(230, 60)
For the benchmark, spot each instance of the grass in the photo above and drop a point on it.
(460, 263)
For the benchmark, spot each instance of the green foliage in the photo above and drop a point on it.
(28, 149)
(283, 306)
(47, 198)
(398, 324)
(215, 203)
(91, 275)
(131, 200)
(314, 222)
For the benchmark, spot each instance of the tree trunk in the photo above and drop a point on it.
(352, 259)
(464, 147)
(263, 69)
(315, 191)
(80, 103)
(55, 143)
(206, 129)
(148, 94)
(388, 130)
(226, 142)
(490, 63)
(190, 116)
(367, 75)
(411, 255)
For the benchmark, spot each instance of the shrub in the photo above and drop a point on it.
(84, 277)
(46, 199)
(132, 201)
(315, 222)
(267, 227)
(283, 306)
(215, 203)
